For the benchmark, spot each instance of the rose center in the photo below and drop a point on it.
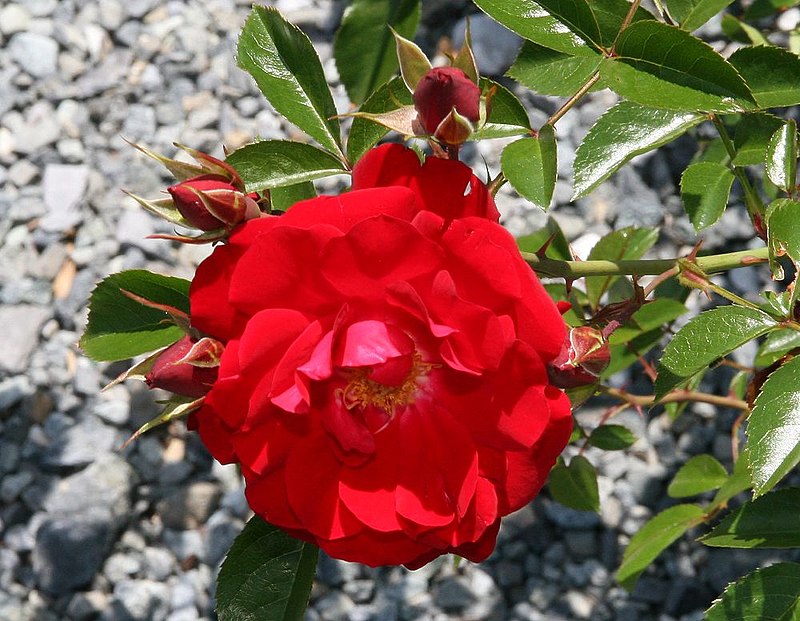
(363, 391)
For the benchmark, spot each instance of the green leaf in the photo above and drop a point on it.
(364, 47)
(507, 116)
(530, 166)
(752, 135)
(776, 346)
(653, 538)
(705, 187)
(278, 163)
(364, 134)
(622, 132)
(288, 72)
(773, 429)
(575, 485)
(611, 14)
(627, 243)
(120, 328)
(771, 73)
(691, 14)
(558, 248)
(766, 522)
(557, 24)
(653, 315)
(266, 576)
(664, 66)
(612, 437)
(766, 8)
(769, 593)
(706, 338)
(783, 234)
(738, 30)
(701, 473)
(624, 354)
(737, 482)
(284, 197)
(549, 72)
(781, 156)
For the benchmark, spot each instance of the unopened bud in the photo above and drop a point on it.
(186, 368)
(584, 355)
(443, 91)
(211, 202)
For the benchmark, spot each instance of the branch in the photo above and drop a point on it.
(678, 396)
(643, 267)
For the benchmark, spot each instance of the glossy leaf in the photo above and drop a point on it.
(766, 522)
(278, 163)
(284, 197)
(507, 116)
(752, 135)
(653, 538)
(776, 345)
(120, 327)
(664, 66)
(627, 243)
(783, 234)
(288, 72)
(766, 8)
(706, 338)
(266, 576)
(550, 72)
(691, 14)
(612, 437)
(575, 485)
(772, 73)
(364, 47)
(702, 473)
(622, 132)
(563, 25)
(773, 429)
(364, 134)
(781, 156)
(766, 593)
(530, 166)
(705, 187)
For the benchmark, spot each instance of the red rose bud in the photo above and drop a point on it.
(442, 90)
(187, 368)
(210, 202)
(583, 357)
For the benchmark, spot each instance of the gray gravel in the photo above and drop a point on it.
(88, 532)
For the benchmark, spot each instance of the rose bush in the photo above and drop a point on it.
(383, 383)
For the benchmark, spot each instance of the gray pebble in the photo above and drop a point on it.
(36, 54)
(69, 551)
(139, 600)
(63, 187)
(22, 340)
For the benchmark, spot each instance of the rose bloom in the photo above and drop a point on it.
(383, 383)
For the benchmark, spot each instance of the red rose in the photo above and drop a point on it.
(440, 91)
(446, 187)
(383, 383)
(210, 202)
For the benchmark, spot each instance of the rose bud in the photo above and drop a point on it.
(583, 357)
(210, 202)
(186, 368)
(441, 91)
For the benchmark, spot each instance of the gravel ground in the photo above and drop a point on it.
(91, 532)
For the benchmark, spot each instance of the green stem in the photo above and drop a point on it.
(753, 201)
(643, 267)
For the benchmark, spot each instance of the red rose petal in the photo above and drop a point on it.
(375, 253)
(370, 342)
